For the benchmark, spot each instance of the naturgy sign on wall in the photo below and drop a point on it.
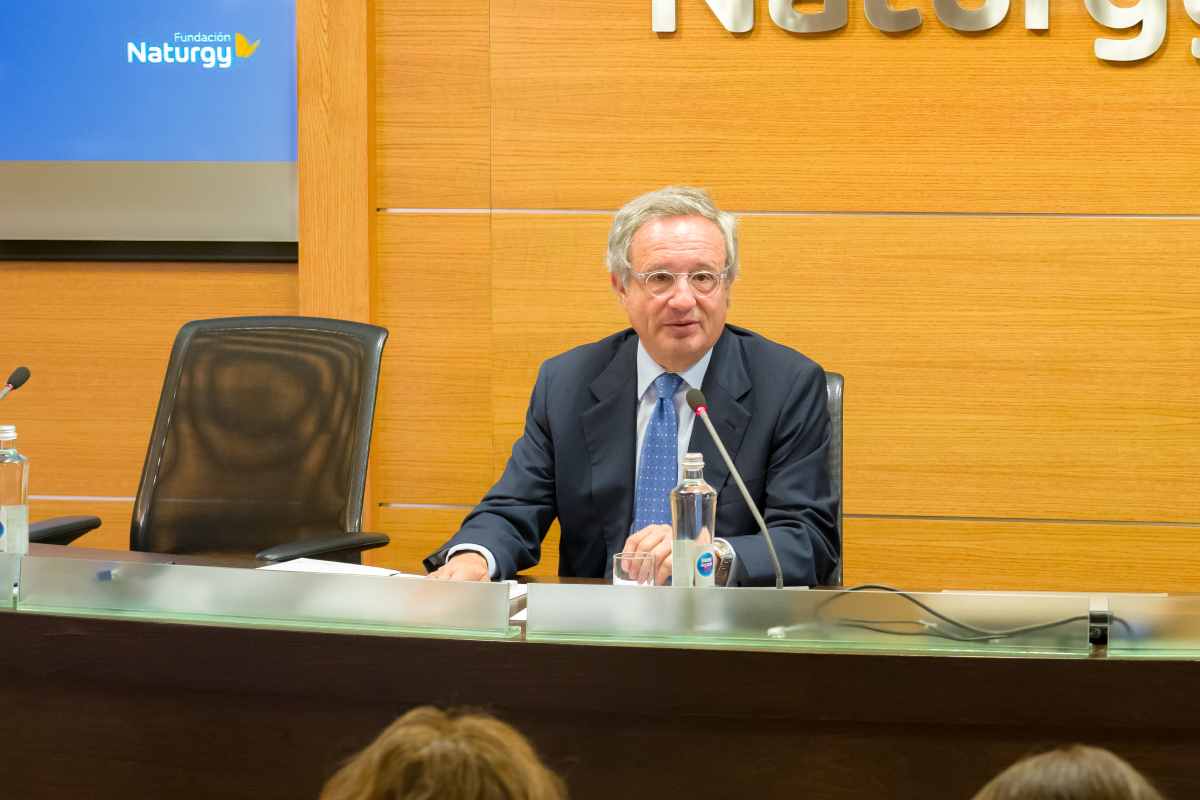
(738, 17)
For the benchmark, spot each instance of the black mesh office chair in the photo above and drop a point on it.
(260, 443)
(834, 383)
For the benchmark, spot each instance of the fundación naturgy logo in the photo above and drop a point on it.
(208, 50)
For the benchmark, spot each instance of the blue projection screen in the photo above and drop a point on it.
(144, 120)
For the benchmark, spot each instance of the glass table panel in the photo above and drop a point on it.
(869, 620)
(10, 570)
(1154, 626)
(224, 595)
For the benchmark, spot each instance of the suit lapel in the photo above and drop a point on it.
(725, 384)
(610, 430)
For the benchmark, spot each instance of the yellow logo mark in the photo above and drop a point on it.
(243, 47)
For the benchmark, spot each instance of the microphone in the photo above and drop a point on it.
(696, 401)
(15, 381)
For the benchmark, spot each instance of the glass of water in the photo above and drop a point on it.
(633, 569)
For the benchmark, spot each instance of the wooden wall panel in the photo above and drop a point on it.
(335, 131)
(559, 260)
(999, 367)
(96, 338)
(590, 107)
(417, 532)
(433, 145)
(934, 554)
(433, 438)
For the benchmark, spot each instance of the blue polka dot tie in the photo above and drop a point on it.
(658, 472)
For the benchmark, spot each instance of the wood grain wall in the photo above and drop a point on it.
(990, 235)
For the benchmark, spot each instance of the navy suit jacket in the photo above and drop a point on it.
(576, 461)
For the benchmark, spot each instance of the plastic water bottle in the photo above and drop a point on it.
(14, 494)
(693, 525)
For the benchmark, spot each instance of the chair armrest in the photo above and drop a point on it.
(323, 545)
(61, 530)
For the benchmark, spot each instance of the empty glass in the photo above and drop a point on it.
(633, 569)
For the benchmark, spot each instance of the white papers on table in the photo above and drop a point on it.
(335, 567)
(515, 590)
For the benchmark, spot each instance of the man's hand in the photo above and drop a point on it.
(466, 565)
(656, 540)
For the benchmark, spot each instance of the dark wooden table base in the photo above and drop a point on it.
(120, 709)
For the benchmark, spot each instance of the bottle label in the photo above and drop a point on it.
(706, 565)
(14, 529)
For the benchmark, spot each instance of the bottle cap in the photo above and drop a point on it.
(8, 432)
(693, 461)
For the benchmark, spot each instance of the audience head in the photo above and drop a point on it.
(428, 753)
(1070, 773)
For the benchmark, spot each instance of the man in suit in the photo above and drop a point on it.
(608, 423)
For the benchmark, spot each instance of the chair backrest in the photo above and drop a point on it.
(834, 384)
(261, 437)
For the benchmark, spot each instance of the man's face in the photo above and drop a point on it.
(679, 326)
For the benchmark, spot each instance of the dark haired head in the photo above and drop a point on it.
(1076, 772)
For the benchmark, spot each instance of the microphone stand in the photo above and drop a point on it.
(702, 412)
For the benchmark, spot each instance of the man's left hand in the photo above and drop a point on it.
(656, 540)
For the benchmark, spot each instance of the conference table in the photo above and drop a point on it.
(105, 699)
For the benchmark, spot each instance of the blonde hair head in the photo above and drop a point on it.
(428, 754)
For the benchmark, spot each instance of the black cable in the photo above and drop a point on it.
(930, 628)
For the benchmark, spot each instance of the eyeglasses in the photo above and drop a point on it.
(660, 281)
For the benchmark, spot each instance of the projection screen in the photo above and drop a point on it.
(139, 120)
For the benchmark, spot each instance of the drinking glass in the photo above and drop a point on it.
(633, 569)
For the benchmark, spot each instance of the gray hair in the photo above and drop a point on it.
(672, 201)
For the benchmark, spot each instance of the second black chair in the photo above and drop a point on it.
(260, 444)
